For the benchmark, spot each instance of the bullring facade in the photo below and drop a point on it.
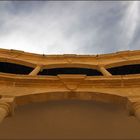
(27, 77)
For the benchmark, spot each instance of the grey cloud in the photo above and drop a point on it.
(82, 27)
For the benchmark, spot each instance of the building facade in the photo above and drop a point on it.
(27, 77)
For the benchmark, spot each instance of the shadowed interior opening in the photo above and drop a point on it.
(56, 71)
(126, 69)
(7, 67)
(70, 120)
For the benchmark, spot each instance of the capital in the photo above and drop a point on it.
(6, 107)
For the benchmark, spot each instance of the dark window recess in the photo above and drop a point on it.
(56, 71)
(126, 69)
(14, 68)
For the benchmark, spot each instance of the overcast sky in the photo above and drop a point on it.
(67, 27)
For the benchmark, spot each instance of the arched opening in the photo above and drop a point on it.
(71, 115)
(70, 120)
(126, 69)
(72, 70)
(7, 67)
(63, 95)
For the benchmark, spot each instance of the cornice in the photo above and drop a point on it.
(70, 60)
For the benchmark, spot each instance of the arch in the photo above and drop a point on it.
(122, 63)
(68, 64)
(125, 69)
(17, 61)
(6, 67)
(70, 70)
(68, 95)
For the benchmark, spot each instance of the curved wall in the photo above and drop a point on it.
(32, 87)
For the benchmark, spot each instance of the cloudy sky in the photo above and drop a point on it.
(67, 27)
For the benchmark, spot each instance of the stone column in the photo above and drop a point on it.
(36, 70)
(104, 71)
(136, 109)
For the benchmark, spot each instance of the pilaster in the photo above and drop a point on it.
(136, 109)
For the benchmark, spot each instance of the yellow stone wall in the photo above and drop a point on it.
(16, 89)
